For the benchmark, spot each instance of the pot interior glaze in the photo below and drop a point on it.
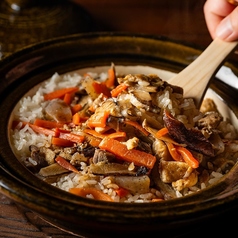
(25, 69)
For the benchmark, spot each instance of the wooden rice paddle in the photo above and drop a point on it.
(195, 78)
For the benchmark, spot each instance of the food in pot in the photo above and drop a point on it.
(121, 138)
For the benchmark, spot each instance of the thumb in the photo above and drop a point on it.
(228, 28)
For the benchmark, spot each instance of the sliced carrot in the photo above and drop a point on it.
(173, 152)
(98, 119)
(188, 157)
(76, 108)
(57, 132)
(110, 82)
(117, 90)
(76, 119)
(116, 134)
(68, 98)
(72, 137)
(137, 126)
(41, 130)
(121, 192)
(60, 93)
(96, 193)
(138, 157)
(94, 133)
(157, 200)
(83, 119)
(101, 88)
(60, 130)
(161, 132)
(47, 124)
(65, 164)
(92, 140)
(92, 108)
(62, 142)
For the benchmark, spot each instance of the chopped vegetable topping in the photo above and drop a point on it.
(131, 138)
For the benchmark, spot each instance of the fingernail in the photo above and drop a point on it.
(224, 30)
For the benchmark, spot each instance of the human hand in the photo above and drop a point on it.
(222, 19)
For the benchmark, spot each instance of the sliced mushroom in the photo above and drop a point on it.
(142, 95)
(153, 132)
(88, 86)
(58, 110)
(193, 138)
(135, 184)
(166, 189)
(102, 168)
(102, 156)
(49, 154)
(161, 150)
(38, 157)
(211, 120)
(208, 105)
(53, 169)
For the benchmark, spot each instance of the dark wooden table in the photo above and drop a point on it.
(181, 20)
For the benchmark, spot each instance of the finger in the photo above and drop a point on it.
(215, 11)
(228, 28)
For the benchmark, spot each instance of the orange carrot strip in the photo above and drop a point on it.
(60, 130)
(65, 164)
(72, 137)
(76, 119)
(83, 119)
(57, 132)
(161, 132)
(97, 194)
(41, 130)
(173, 152)
(92, 140)
(97, 120)
(116, 134)
(137, 126)
(101, 136)
(157, 199)
(62, 142)
(110, 82)
(138, 157)
(117, 90)
(188, 157)
(67, 98)
(47, 124)
(76, 108)
(101, 88)
(94, 133)
(60, 93)
(121, 192)
(92, 108)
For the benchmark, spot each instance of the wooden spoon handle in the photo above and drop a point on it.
(194, 78)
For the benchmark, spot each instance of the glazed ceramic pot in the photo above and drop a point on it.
(23, 70)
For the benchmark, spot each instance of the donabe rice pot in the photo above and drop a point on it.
(121, 138)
